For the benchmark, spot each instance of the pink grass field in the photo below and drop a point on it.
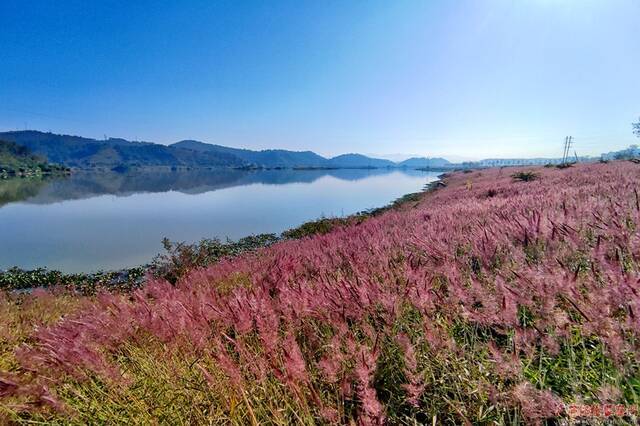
(491, 300)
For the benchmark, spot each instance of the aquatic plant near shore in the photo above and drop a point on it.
(84, 283)
(464, 308)
(180, 258)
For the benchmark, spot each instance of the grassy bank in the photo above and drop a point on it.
(496, 299)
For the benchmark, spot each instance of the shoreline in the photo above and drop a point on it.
(18, 280)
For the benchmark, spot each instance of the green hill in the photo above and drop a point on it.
(17, 160)
(422, 162)
(265, 158)
(288, 159)
(359, 161)
(76, 151)
(112, 153)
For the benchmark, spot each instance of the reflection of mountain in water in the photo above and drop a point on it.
(87, 185)
(12, 190)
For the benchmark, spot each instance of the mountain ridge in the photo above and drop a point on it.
(424, 162)
(263, 158)
(81, 152)
(117, 153)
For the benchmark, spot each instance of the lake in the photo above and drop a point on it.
(92, 221)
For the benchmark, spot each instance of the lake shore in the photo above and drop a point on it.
(108, 221)
(182, 256)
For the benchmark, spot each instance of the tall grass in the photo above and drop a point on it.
(464, 308)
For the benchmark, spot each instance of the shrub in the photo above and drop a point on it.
(317, 227)
(564, 165)
(181, 258)
(525, 176)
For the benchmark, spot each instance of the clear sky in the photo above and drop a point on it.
(463, 79)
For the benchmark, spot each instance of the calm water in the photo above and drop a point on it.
(108, 221)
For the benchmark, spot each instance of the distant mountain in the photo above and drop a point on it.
(75, 151)
(359, 161)
(287, 159)
(87, 153)
(422, 162)
(265, 158)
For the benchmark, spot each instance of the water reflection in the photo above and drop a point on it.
(109, 221)
(91, 184)
(12, 190)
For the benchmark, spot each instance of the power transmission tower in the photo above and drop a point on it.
(568, 141)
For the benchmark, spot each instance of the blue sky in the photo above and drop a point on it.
(463, 79)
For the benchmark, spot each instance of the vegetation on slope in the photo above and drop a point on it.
(16, 160)
(121, 154)
(492, 300)
(264, 158)
(283, 158)
(79, 152)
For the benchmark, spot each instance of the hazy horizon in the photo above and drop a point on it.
(464, 80)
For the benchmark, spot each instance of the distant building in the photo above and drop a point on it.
(504, 162)
(507, 162)
(494, 162)
(632, 152)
